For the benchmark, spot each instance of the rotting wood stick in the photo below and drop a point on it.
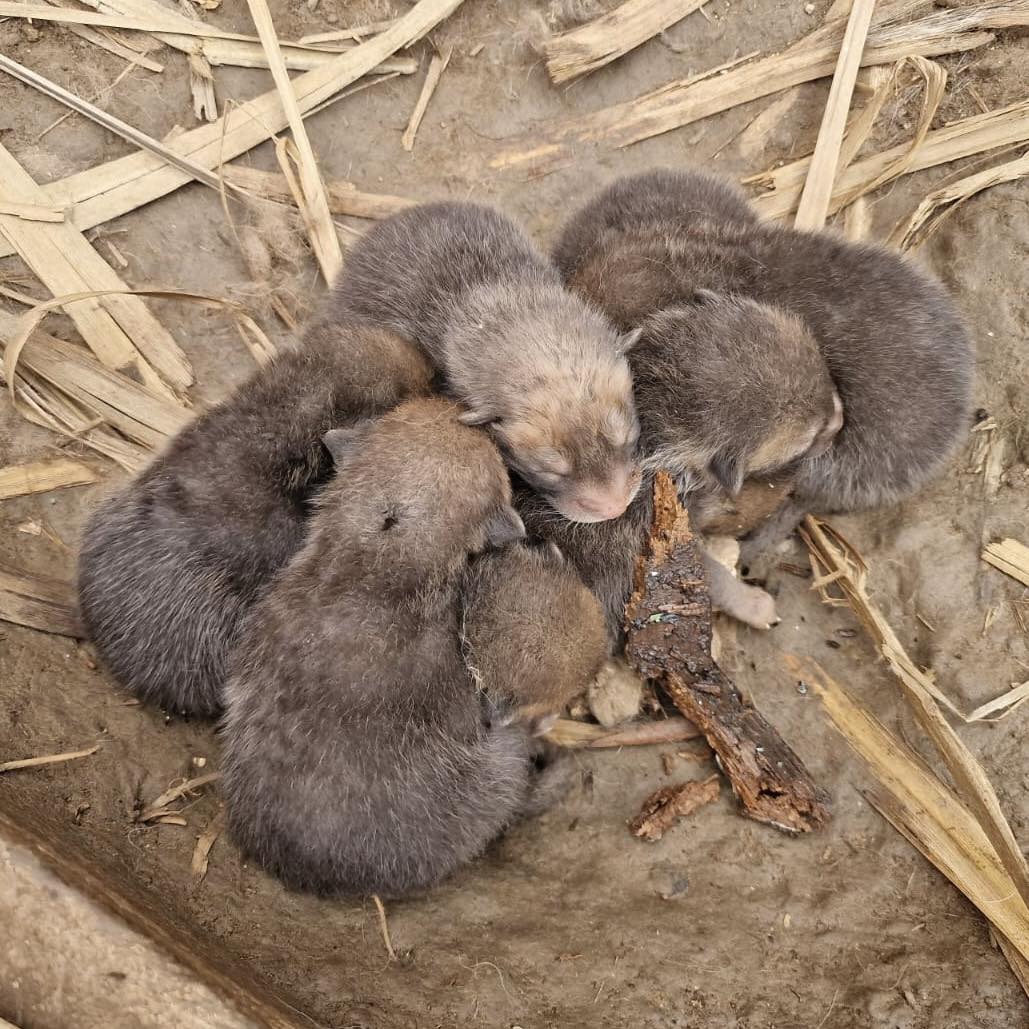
(769, 779)
(662, 809)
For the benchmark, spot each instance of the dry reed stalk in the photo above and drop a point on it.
(32, 212)
(43, 404)
(384, 926)
(112, 189)
(344, 197)
(964, 138)
(589, 47)
(182, 33)
(913, 231)
(20, 480)
(857, 221)
(47, 759)
(201, 85)
(356, 34)
(120, 330)
(26, 324)
(110, 122)
(311, 199)
(76, 390)
(684, 102)
(1011, 557)
(836, 563)
(437, 66)
(882, 81)
(814, 199)
(39, 602)
(925, 811)
(104, 40)
(935, 78)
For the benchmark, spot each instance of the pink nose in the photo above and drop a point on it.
(603, 505)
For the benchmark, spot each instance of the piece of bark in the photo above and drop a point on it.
(668, 626)
(661, 810)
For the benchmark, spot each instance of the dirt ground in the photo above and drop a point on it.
(565, 922)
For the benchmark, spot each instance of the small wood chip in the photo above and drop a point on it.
(661, 810)
(159, 808)
(1010, 557)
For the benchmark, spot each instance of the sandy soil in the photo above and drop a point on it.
(565, 923)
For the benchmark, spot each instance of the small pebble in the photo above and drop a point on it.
(809, 8)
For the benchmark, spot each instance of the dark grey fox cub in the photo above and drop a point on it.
(171, 563)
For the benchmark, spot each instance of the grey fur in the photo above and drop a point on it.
(171, 563)
(534, 634)
(544, 369)
(887, 331)
(357, 755)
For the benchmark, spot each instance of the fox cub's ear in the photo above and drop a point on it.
(341, 443)
(504, 527)
(476, 416)
(728, 472)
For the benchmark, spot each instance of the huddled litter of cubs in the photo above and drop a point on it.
(396, 552)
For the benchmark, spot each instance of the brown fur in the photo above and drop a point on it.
(886, 335)
(358, 755)
(534, 635)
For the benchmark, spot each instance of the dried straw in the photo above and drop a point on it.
(120, 329)
(38, 602)
(925, 811)
(310, 197)
(814, 200)
(42, 476)
(47, 759)
(437, 66)
(836, 563)
(112, 189)
(344, 197)
(686, 101)
(603, 40)
(940, 204)
(1000, 128)
(1011, 557)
